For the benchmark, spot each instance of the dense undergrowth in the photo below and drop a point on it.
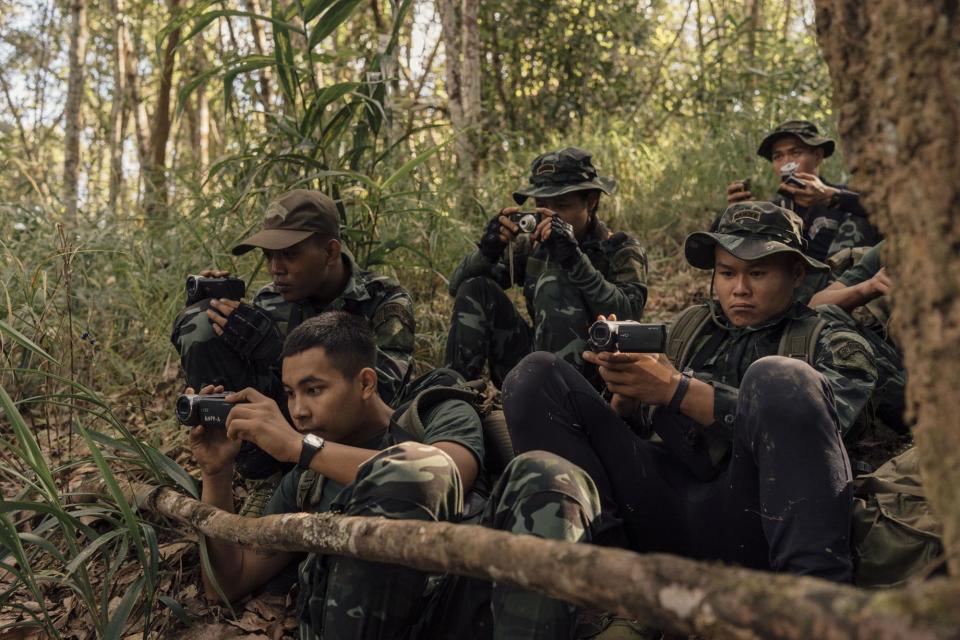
(88, 372)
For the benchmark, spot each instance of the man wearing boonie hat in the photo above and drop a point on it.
(751, 402)
(833, 216)
(570, 265)
(237, 344)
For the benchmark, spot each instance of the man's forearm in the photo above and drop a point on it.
(847, 298)
(225, 558)
(698, 403)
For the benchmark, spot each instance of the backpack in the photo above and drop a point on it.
(895, 535)
(799, 339)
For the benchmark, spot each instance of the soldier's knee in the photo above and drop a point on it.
(770, 377)
(531, 374)
(541, 471)
(477, 288)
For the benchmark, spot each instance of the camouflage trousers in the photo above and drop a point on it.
(348, 598)
(486, 327)
(206, 359)
(538, 494)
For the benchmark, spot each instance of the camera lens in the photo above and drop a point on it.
(184, 408)
(528, 223)
(193, 286)
(600, 334)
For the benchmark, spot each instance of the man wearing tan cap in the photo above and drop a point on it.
(237, 344)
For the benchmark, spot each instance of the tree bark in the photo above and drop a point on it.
(155, 173)
(260, 42)
(118, 110)
(73, 111)
(675, 594)
(895, 67)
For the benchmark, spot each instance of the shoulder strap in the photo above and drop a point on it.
(684, 331)
(411, 420)
(309, 489)
(800, 336)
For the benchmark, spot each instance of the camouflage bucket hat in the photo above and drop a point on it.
(292, 218)
(803, 129)
(750, 231)
(565, 171)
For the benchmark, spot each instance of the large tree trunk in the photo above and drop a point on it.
(73, 111)
(675, 594)
(895, 66)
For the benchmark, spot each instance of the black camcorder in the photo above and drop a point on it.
(202, 287)
(627, 336)
(210, 410)
(526, 220)
(787, 177)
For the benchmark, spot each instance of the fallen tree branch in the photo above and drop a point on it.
(675, 594)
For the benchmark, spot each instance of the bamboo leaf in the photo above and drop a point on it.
(118, 622)
(332, 18)
(412, 164)
(25, 342)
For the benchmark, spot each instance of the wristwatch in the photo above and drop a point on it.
(311, 446)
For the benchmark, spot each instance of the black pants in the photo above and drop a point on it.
(783, 502)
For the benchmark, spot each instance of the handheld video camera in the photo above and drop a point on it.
(627, 336)
(526, 220)
(210, 410)
(201, 287)
(787, 177)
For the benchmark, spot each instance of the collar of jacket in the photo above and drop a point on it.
(794, 312)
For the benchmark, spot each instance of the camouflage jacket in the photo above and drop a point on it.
(722, 353)
(379, 299)
(830, 229)
(611, 275)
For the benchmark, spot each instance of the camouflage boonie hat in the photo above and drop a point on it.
(292, 218)
(558, 172)
(803, 129)
(750, 231)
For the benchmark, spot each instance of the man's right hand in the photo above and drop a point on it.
(211, 448)
(497, 234)
(737, 192)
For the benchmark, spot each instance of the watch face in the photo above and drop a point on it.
(313, 440)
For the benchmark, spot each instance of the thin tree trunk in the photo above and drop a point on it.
(156, 173)
(118, 109)
(675, 594)
(73, 112)
(260, 43)
(895, 66)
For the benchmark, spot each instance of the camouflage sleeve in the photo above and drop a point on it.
(848, 362)
(624, 289)
(476, 265)
(394, 327)
(866, 268)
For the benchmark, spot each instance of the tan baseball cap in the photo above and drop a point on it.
(292, 218)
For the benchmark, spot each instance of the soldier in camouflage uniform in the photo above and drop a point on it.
(352, 458)
(751, 467)
(833, 217)
(571, 267)
(237, 345)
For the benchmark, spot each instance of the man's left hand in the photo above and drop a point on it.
(257, 419)
(814, 192)
(648, 377)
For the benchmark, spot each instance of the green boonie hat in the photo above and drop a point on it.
(292, 218)
(803, 129)
(750, 231)
(558, 172)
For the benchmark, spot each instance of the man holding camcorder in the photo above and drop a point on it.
(832, 215)
(570, 265)
(750, 397)
(223, 341)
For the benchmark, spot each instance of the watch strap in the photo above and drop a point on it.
(308, 450)
(680, 393)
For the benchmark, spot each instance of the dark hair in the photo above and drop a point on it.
(345, 338)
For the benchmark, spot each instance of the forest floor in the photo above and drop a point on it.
(181, 611)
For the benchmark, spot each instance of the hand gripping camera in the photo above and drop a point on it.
(210, 410)
(787, 177)
(627, 336)
(526, 220)
(201, 287)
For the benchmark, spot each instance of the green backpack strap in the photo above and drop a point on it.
(684, 331)
(411, 420)
(800, 337)
(309, 489)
